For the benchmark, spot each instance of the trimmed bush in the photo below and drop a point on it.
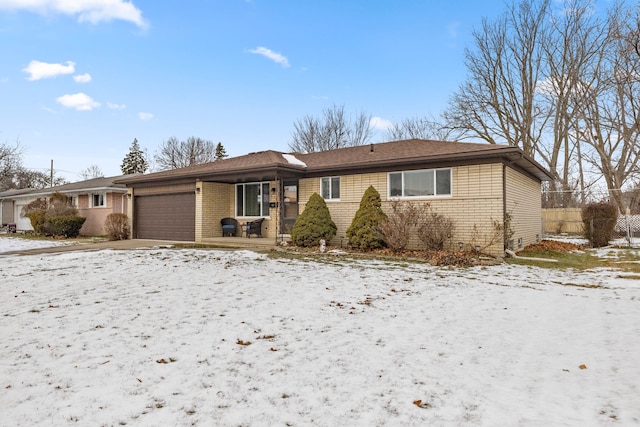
(313, 224)
(117, 226)
(364, 231)
(400, 225)
(63, 225)
(36, 211)
(599, 220)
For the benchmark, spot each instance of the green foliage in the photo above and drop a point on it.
(55, 218)
(599, 220)
(313, 224)
(364, 231)
(35, 211)
(63, 225)
(117, 226)
(221, 153)
(135, 161)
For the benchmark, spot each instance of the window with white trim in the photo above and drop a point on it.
(98, 200)
(420, 183)
(330, 188)
(252, 199)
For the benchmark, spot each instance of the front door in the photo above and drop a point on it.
(289, 205)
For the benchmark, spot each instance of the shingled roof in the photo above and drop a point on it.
(397, 154)
(94, 184)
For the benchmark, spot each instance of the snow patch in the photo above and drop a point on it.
(293, 160)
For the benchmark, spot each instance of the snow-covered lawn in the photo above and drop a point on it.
(8, 244)
(233, 338)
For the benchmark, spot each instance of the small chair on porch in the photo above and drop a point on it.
(254, 227)
(229, 226)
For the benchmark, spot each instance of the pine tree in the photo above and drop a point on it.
(364, 231)
(134, 161)
(221, 153)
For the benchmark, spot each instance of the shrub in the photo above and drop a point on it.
(435, 230)
(63, 225)
(313, 224)
(599, 220)
(400, 223)
(364, 231)
(117, 226)
(36, 211)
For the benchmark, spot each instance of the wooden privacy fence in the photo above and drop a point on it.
(562, 220)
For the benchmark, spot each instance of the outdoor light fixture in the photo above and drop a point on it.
(460, 245)
(273, 190)
(197, 189)
(128, 195)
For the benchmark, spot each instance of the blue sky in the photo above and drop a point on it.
(80, 80)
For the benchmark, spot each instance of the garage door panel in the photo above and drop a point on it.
(165, 217)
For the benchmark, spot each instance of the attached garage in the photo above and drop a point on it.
(165, 216)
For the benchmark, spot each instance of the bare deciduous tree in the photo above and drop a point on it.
(498, 102)
(333, 130)
(91, 172)
(561, 82)
(174, 153)
(10, 161)
(419, 128)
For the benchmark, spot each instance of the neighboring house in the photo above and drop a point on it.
(477, 185)
(94, 198)
(7, 206)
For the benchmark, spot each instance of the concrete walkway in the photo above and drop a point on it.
(88, 245)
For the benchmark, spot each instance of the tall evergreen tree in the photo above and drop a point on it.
(134, 161)
(221, 153)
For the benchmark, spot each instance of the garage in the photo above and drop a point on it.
(165, 217)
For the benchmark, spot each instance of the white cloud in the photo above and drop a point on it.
(380, 123)
(93, 11)
(145, 116)
(41, 70)
(82, 78)
(274, 56)
(78, 101)
(113, 106)
(452, 29)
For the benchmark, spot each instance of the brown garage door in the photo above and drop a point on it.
(165, 217)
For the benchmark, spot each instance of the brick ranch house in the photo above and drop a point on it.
(94, 198)
(474, 184)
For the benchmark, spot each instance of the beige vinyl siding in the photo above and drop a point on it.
(524, 204)
(476, 200)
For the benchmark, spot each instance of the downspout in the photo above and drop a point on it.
(504, 207)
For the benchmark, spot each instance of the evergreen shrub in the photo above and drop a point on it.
(313, 224)
(364, 231)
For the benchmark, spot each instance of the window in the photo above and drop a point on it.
(98, 200)
(330, 188)
(422, 183)
(252, 199)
